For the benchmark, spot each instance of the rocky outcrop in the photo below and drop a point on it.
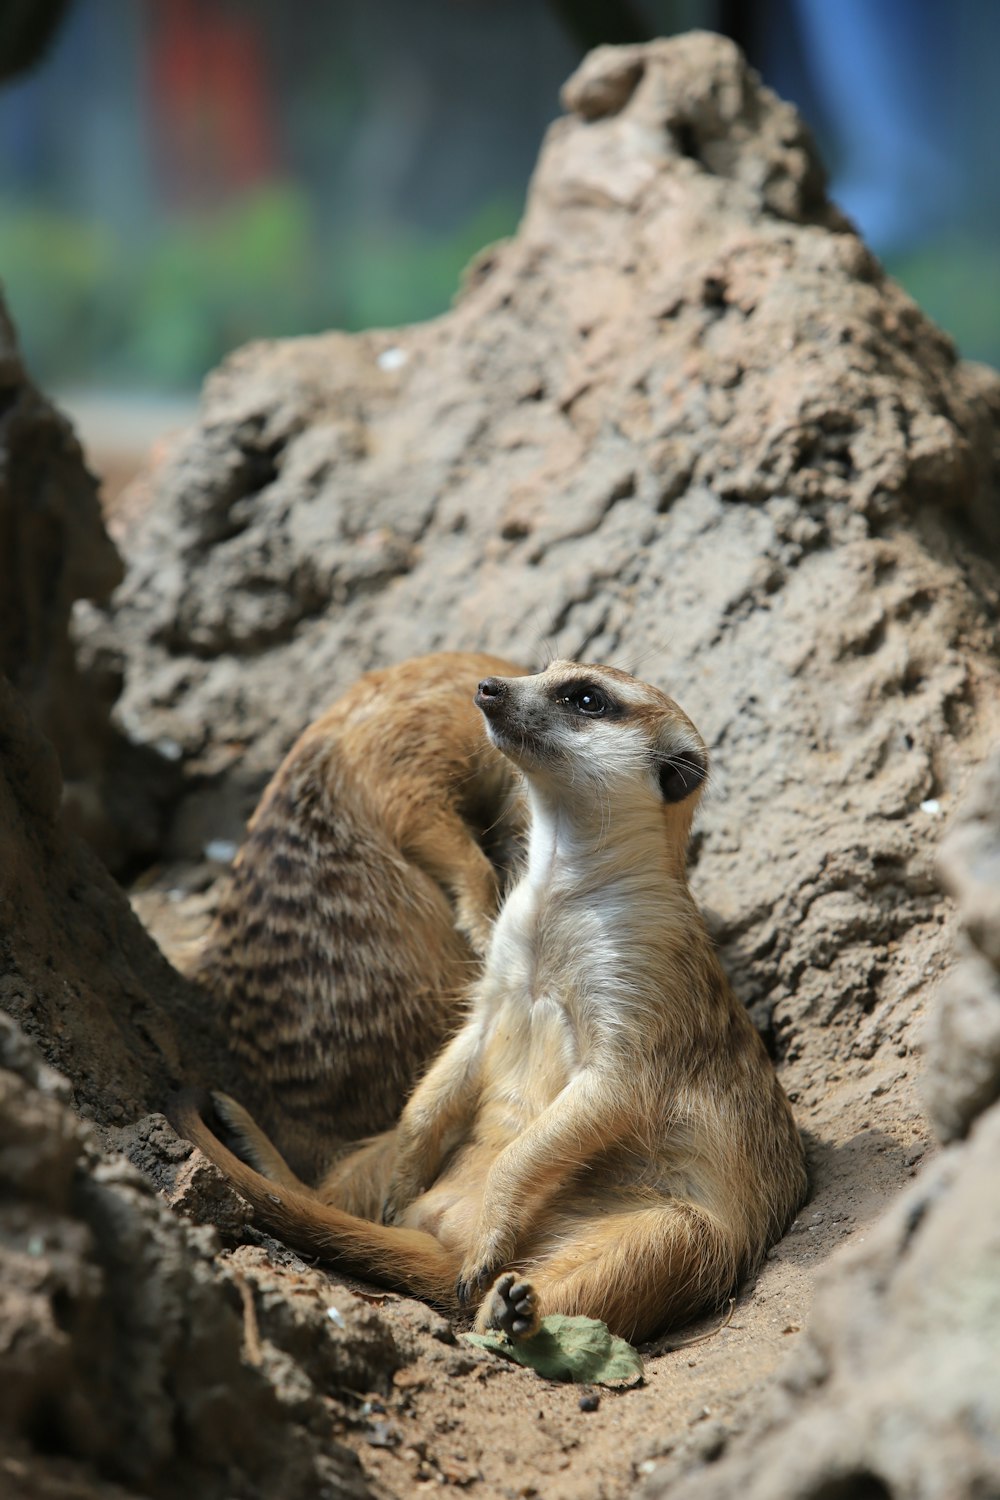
(962, 1075)
(894, 1395)
(77, 970)
(54, 551)
(131, 1362)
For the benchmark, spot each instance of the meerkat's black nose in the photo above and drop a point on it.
(491, 692)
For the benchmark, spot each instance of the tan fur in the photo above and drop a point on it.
(606, 1128)
(360, 901)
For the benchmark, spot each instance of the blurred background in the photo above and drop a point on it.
(179, 176)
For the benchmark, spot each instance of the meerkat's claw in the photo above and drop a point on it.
(466, 1290)
(471, 1285)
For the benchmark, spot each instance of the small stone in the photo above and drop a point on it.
(457, 1472)
(220, 851)
(384, 1435)
(392, 359)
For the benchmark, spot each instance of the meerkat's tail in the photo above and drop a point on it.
(407, 1260)
(253, 1145)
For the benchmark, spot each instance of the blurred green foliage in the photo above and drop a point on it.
(405, 275)
(956, 280)
(91, 309)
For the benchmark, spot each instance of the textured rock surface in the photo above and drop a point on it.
(54, 550)
(681, 422)
(962, 1074)
(895, 1391)
(77, 971)
(123, 1346)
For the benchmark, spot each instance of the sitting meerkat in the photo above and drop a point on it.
(605, 1134)
(360, 900)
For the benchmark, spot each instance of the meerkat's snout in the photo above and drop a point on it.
(502, 706)
(490, 692)
(516, 720)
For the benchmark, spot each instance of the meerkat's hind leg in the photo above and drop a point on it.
(247, 1141)
(511, 1305)
(357, 1181)
(639, 1270)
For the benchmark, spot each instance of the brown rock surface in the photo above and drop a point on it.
(55, 551)
(962, 1076)
(77, 971)
(124, 1357)
(895, 1392)
(681, 422)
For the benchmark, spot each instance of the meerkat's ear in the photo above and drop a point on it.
(680, 773)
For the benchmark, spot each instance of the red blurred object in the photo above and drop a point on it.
(213, 115)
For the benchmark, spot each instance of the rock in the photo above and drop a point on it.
(962, 1075)
(338, 1340)
(77, 970)
(701, 92)
(121, 1345)
(962, 1072)
(55, 551)
(970, 861)
(894, 1392)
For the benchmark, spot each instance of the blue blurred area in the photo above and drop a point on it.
(179, 176)
(902, 96)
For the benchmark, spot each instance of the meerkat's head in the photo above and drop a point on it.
(576, 729)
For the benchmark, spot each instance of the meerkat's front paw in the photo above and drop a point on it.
(512, 1306)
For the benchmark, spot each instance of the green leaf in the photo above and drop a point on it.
(578, 1349)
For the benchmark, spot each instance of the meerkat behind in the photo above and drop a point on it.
(360, 900)
(605, 1135)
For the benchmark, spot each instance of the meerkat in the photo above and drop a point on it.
(360, 900)
(605, 1134)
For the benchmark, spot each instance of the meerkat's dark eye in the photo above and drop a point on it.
(585, 699)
